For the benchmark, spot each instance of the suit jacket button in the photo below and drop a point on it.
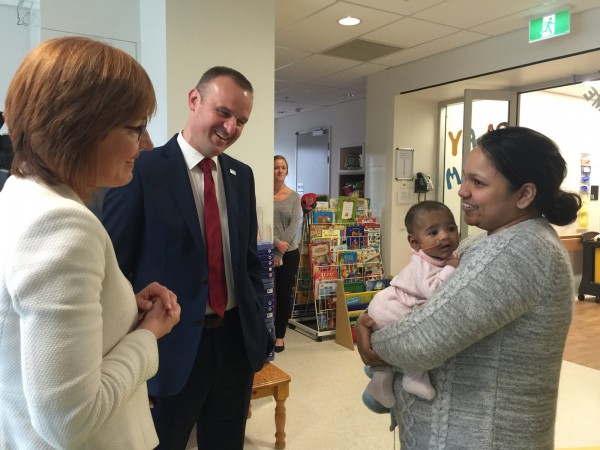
(198, 322)
(204, 280)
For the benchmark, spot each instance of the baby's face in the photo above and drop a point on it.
(436, 234)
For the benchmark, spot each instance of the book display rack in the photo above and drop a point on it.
(340, 268)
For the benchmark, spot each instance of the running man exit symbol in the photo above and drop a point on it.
(548, 26)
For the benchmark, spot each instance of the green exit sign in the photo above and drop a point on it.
(551, 25)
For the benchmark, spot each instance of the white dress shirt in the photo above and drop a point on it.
(192, 160)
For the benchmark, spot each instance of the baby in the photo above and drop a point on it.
(433, 237)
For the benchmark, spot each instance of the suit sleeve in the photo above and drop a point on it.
(123, 219)
(253, 261)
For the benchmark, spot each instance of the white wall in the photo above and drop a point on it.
(202, 34)
(413, 124)
(14, 45)
(153, 56)
(346, 122)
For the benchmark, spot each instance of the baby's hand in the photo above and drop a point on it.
(453, 260)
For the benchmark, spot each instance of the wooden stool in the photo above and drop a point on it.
(271, 380)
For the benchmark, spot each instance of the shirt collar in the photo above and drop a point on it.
(191, 156)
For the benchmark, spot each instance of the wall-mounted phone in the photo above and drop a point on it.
(423, 183)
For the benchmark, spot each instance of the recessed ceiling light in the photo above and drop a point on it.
(349, 21)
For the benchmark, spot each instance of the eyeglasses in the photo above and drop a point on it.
(140, 130)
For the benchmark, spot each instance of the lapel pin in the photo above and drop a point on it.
(231, 171)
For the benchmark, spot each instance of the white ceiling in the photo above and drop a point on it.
(307, 79)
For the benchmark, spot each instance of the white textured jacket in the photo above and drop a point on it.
(72, 369)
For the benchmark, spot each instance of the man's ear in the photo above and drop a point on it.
(527, 194)
(194, 99)
(414, 243)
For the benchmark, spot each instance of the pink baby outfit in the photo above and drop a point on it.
(411, 287)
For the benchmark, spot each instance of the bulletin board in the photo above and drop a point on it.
(404, 163)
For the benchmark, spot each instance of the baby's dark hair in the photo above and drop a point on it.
(423, 207)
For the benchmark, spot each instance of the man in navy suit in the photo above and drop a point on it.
(156, 222)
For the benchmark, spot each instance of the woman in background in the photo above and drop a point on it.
(287, 213)
(75, 352)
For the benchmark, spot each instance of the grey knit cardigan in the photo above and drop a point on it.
(492, 338)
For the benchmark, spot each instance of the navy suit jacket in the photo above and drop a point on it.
(154, 226)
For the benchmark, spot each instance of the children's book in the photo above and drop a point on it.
(356, 286)
(348, 257)
(356, 242)
(371, 254)
(316, 229)
(320, 216)
(377, 285)
(362, 208)
(326, 287)
(366, 220)
(373, 270)
(346, 209)
(334, 236)
(319, 254)
(354, 230)
(351, 272)
(373, 237)
(325, 273)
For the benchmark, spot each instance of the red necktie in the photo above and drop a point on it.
(217, 286)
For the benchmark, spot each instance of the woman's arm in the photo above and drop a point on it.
(496, 282)
(71, 388)
(290, 232)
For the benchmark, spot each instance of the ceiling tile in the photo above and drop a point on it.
(431, 48)
(399, 6)
(350, 77)
(339, 96)
(313, 67)
(288, 12)
(409, 32)
(322, 30)
(285, 56)
(281, 85)
(503, 25)
(467, 13)
(295, 92)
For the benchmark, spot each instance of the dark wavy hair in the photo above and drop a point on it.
(523, 155)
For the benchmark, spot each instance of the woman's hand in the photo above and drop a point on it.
(159, 320)
(151, 293)
(277, 261)
(282, 246)
(158, 309)
(364, 328)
